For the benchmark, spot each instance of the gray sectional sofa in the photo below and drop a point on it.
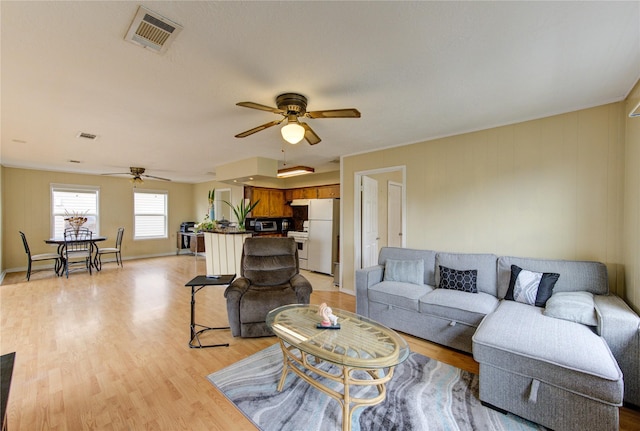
(564, 355)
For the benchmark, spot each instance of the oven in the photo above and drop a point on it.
(301, 239)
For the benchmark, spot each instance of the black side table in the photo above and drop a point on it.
(196, 284)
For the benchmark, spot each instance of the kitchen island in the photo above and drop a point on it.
(223, 251)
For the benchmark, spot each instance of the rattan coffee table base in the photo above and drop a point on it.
(292, 356)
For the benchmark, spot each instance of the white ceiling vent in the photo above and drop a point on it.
(152, 31)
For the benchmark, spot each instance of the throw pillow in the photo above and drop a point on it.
(529, 287)
(463, 280)
(576, 307)
(407, 271)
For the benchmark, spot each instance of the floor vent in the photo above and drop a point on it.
(152, 31)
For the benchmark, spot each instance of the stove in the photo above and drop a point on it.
(301, 237)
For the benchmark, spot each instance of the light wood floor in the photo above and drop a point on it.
(109, 351)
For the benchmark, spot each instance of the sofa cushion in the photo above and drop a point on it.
(455, 279)
(522, 340)
(574, 275)
(398, 294)
(458, 306)
(409, 271)
(427, 256)
(529, 287)
(485, 264)
(576, 307)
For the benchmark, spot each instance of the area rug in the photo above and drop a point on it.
(424, 394)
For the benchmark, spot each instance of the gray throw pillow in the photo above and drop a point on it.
(407, 271)
(576, 307)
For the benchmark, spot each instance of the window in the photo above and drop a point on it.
(150, 212)
(73, 200)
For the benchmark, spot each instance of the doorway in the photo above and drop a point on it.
(366, 224)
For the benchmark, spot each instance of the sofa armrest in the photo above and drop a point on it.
(365, 278)
(620, 327)
(233, 293)
(302, 287)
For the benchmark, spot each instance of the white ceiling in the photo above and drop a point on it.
(415, 70)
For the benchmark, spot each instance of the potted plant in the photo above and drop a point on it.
(242, 210)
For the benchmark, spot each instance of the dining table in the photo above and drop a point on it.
(94, 249)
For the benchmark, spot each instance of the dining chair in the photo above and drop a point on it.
(77, 248)
(115, 250)
(39, 257)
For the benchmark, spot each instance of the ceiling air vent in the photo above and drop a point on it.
(152, 31)
(86, 135)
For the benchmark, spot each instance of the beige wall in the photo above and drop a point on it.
(201, 202)
(549, 188)
(1, 226)
(26, 198)
(631, 232)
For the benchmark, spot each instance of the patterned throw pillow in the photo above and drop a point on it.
(459, 280)
(532, 288)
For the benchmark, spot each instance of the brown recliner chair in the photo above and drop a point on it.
(270, 277)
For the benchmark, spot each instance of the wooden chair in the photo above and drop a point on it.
(117, 250)
(39, 257)
(78, 246)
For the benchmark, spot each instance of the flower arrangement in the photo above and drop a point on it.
(207, 225)
(75, 218)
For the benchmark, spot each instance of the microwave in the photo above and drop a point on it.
(266, 226)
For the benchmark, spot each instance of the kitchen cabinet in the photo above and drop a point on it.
(304, 193)
(272, 203)
(329, 192)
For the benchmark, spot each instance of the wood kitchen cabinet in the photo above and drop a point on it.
(329, 192)
(304, 193)
(272, 203)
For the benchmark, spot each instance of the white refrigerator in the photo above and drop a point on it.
(323, 221)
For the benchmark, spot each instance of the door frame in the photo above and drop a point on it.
(401, 185)
(357, 209)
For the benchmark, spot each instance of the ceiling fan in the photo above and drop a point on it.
(292, 106)
(137, 174)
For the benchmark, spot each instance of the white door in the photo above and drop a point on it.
(394, 214)
(369, 222)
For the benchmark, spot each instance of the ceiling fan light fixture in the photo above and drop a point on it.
(292, 132)
(136, 180)
(294, 171)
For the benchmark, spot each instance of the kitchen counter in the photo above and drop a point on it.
(223, 251)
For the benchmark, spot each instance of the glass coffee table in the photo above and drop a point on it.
(359, 344)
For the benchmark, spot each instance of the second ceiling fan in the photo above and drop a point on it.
(292, 106)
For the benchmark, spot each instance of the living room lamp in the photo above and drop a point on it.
(292, 132)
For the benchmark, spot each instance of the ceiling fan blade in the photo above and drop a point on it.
(118, 173)
(334, 113)
(310, 135)
(156, 178)
(253, 105)
(259, 128)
